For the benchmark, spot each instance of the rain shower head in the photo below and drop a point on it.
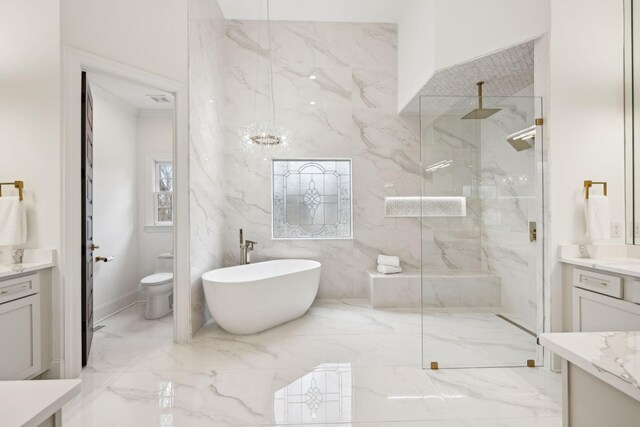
(480, 113)
(524, 139)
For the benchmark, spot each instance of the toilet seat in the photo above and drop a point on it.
(157, 279)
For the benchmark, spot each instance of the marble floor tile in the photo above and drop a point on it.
(475, 339)
(342, 364)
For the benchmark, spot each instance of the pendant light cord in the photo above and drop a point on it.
(273, 103)
(256, 88)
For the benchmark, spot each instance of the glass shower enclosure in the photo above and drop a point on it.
(482, 210)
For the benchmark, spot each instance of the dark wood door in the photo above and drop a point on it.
(87, 217)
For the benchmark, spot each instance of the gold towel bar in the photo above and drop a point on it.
(589, 184)
(17, 184)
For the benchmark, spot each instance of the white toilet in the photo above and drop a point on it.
(158, 288)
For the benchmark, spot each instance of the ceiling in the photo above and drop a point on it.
(315, 10)
(505, 73)
(134, 94)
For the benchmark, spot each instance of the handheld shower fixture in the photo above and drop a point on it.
(524, 139)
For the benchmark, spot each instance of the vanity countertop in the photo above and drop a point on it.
(620, 265)
(613, 357)
(34, 260)
(29, 403)
(9, 270)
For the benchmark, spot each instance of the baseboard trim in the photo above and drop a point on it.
(54, 372)
(108, 309)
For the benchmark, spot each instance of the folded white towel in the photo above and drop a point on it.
(387, 269)
(13, 222)
(392, 261)
(596, 209)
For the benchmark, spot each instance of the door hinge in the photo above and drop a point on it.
(533, 232)
(539, 121)
(434, 366)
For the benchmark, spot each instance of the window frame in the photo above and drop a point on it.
(157, 163)
(150, 181)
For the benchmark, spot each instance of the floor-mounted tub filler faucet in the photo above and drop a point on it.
(246, 247)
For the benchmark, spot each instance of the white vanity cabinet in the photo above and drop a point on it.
(25, 321)
(600, 300)
(593, 312)
(20, 334)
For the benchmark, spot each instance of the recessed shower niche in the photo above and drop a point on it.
(312, 199)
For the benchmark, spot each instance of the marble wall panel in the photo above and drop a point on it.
(509, 203)
(207, 145)
(335, 87)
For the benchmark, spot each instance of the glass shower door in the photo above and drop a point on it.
(481, 208)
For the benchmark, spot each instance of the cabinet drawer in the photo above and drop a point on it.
(597, 282)
(19, 287)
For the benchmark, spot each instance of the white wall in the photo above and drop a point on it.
(30, 98)
(115, 196)
(147, 34)
(30, 112)
(416, 49)
(468, 29)
(155, 142)
(462, 30)
(586, 113)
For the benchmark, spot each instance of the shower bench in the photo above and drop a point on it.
(441, 289)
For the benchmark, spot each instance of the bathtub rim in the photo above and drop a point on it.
(312, 266)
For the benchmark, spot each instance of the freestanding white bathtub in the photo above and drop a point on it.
(247, 299)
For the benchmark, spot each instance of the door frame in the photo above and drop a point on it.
(68, 299)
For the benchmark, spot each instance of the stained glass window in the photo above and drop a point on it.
(312, 199)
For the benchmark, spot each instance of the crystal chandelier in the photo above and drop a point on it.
(267, 135)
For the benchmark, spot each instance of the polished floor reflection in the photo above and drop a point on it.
(341, 364)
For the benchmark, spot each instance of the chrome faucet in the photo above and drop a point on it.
(246, 247)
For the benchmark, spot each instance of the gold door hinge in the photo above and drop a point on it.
(533, 231)
(434, 366)
(539, 122)
(531, 363)
(538, 340)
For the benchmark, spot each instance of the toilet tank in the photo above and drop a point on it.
(164, 264)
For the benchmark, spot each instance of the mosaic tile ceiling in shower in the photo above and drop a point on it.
(311, 199)
(505, 73)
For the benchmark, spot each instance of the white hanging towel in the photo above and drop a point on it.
(387, 269)
(392, 261)
(13, 222)
(596, 209)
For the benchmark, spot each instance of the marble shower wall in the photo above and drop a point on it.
(452, 243)
(509, 202)
(347, 111)
(206, 147)
(500, 186)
